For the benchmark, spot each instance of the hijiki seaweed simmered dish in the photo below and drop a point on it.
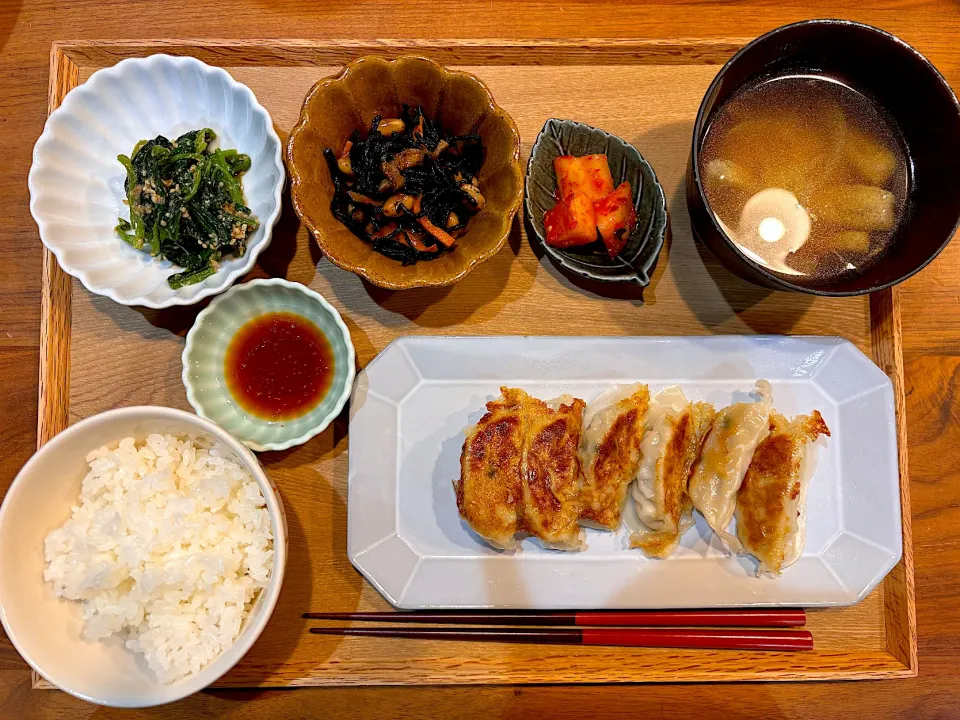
(406, 189)
(186, 203)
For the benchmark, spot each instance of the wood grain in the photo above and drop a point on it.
(55, 305)
(931, 334)
(689, 294)
(452, 51)
(899, 591)
(55, 299)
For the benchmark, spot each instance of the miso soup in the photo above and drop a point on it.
(806, 175)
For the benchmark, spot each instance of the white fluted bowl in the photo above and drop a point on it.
(76, 182)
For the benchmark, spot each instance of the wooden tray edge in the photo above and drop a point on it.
(55, 306)
(901, 658)
(55, 299)
(899, 586)
(495, 51)
(830, 666)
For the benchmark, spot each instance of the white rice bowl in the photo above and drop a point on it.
(167, 547)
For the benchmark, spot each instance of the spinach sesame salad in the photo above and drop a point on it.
(186, 203)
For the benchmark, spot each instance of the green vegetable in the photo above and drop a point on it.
(186, 203)
(189, 277)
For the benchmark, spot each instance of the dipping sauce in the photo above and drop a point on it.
(279, 366)
(806, 175)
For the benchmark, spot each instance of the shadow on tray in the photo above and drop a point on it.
(480, 293)
(716, 295)
(713, 293)
(272, 262)
(612, 290)
(318, 574)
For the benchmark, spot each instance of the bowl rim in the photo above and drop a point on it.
(316, 297)
(641, 276)
(776, 280)
(270, 594)
(296, 179)
(114, 72)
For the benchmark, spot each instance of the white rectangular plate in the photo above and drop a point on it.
(412, 403)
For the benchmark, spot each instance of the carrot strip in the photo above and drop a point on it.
(384, 231)
(418, 244)
(363, 199)
(441, 235)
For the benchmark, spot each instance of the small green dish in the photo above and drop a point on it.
(591, 262)
(205, 353)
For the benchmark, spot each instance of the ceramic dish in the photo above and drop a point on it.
(46, 630)
(897, 78)
(460, 104)
(76, 182)
(414, 400)
(205, 352)
(635, 264)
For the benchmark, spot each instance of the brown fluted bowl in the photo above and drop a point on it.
(459, 104)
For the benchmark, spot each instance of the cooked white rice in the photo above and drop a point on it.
(167, 548)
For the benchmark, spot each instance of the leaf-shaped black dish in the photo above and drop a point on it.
(635, 264)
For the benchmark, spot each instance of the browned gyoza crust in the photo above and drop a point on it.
(551, 474)
(673, 471)
(490, 489)
(767, 504)
(615, 463)
(519, 471)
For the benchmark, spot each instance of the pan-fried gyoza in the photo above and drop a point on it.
(544, 469)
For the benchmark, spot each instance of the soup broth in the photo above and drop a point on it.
(806, 175)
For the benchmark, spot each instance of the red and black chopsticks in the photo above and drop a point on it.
(704, 638)
(674, 629)
(788, 617)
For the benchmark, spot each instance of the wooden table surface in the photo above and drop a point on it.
(931, 331)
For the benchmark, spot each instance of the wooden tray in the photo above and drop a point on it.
(93, 351)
